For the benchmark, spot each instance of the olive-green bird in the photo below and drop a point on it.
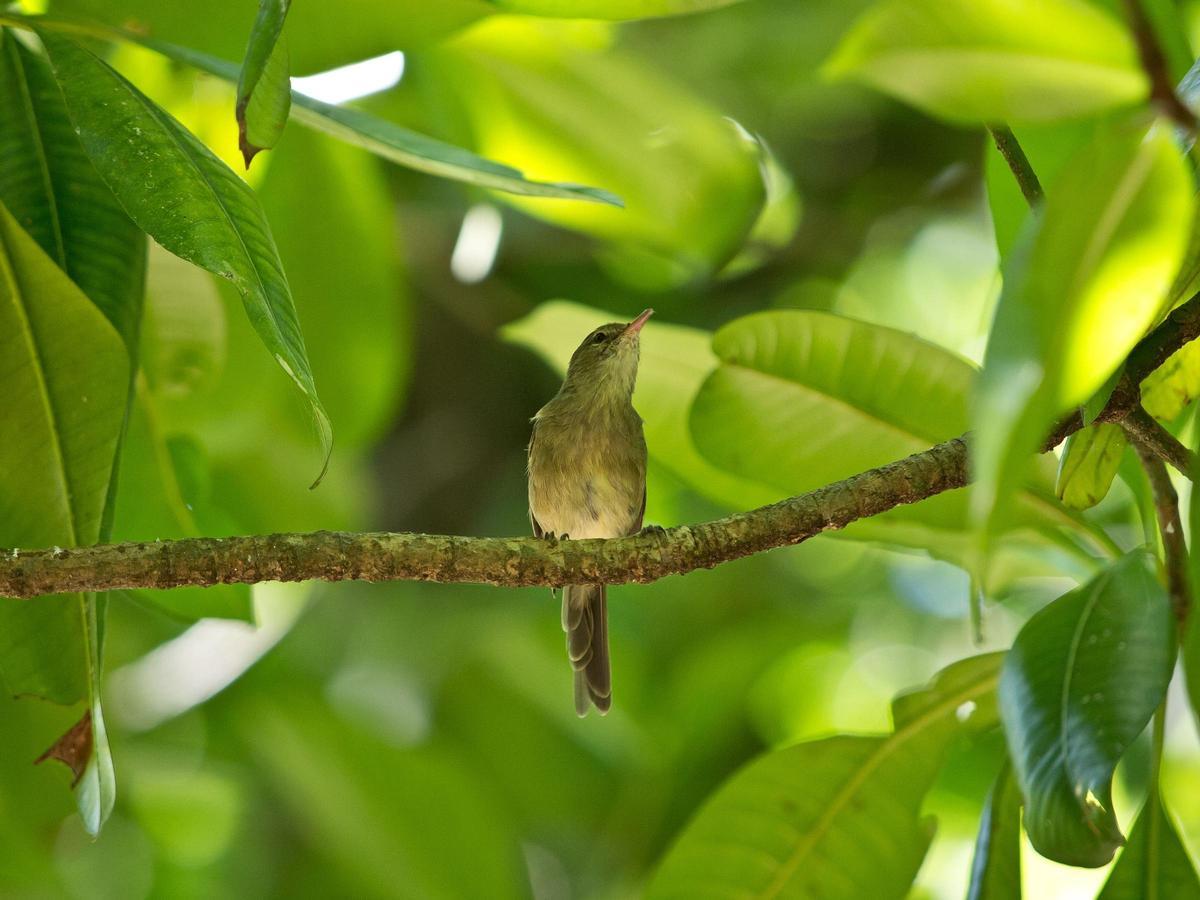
(587, 479)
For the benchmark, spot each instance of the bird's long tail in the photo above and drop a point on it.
(585, 620)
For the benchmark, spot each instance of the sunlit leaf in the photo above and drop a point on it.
(1091, 279)
(1154, 863)
(996, 870)
(534, 98)
(187, 200)
(63, 415)
(264, 91)
(994, 60)
(797, 821)
(1089, 464)
(1083, 678)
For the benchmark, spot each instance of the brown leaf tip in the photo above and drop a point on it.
(73, 749)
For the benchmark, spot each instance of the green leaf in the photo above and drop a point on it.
(264, 91)
(799, 821)
(531, 95)
(1174, 384)
(187, 200)
(64, 411)
(804, 398)
(674, 362)
(1083, 678)
(996, 870)
(1155, 863)
(607, 9)
(1090, 280)
(1013, 61)
(1089, 464)
(55, 193)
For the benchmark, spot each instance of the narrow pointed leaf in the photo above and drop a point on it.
(1090, 277)
(994, 60)
(1083, 678)
(264, 91)
(800, 821)
(55, 193)
(1089, 464)
(1154, 865)
(176, 190)
(64, 411)
(394, 142)
(996, 870)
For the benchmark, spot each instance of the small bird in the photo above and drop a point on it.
(587, 479)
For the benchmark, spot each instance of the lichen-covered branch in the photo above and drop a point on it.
(1151, 436)
(338, 556)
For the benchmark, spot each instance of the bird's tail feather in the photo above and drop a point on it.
(585, 620)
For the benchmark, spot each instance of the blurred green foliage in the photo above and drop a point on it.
(825, 262)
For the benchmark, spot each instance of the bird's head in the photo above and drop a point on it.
(607, 360)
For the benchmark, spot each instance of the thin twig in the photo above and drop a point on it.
(1010, 148)
(1149, 433)
(1154, 63)
(1166, 506)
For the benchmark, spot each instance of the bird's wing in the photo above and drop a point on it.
(538, 531)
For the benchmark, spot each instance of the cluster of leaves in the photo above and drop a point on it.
(771, 405)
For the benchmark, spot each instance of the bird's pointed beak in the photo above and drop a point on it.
(636, 325)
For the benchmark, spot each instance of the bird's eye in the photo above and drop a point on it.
(600, 338)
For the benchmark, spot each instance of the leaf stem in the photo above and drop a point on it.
(1154, 64)
(1006, 142)
(1170, 527)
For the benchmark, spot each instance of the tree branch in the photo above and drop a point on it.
(1166, 505)
(1151, 436)
(1154, 64)
(1006, 142)
(339, 556)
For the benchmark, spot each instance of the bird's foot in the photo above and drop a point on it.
(656, 530)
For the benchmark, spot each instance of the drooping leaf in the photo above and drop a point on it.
(264, 91)
(64, 411)
(804, 398)
(798, 821)
(1154, 864)
(187, 200)
(1083, 678)
(1090, 281)
(996, 870)
(1089, 464)
(1013, 61)
(55, 193)
(607, 9)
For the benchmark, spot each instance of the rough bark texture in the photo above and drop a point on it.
(338, 556)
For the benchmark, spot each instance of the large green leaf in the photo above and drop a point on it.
(1090, 280)
(607, 9)
(994, 60)
(55, 193)
(1089, 464)
(805, 398)
(264, 91)
(1154, 865)
(996, 869)
(64, 409)
(674, 362)
(800, 821)
(533, 96)
(1083, 678)
(187, 200)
